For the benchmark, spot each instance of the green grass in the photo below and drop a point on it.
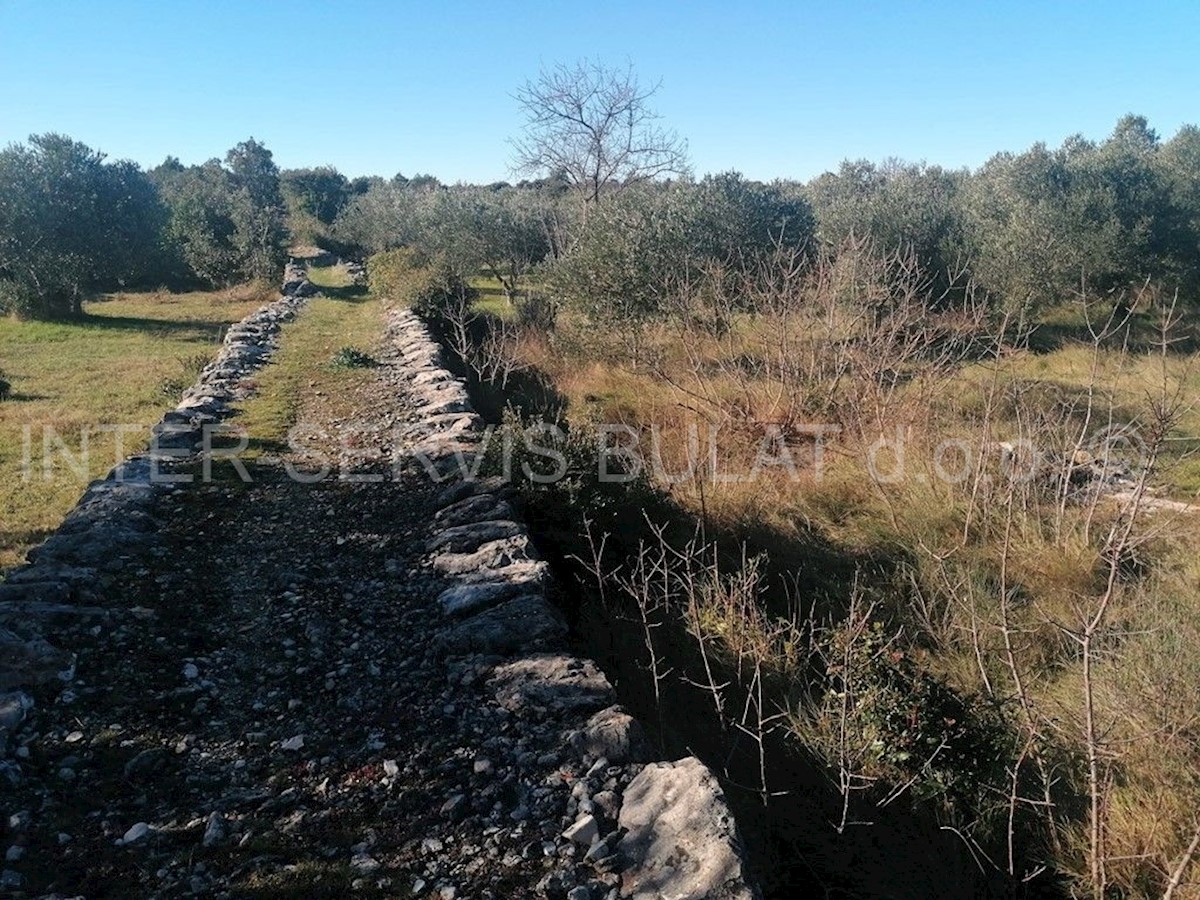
(120, 365)
(306, 368)
(491, 297)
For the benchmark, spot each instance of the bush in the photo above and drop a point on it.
(353, 358)
(536, 312)
(5, 388)
(406, 275)
(909, 725)
(641, 250)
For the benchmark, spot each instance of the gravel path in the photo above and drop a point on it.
(266, 708)
(315, 685)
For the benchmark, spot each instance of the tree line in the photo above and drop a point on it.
(606, 229)
(73, 223)
(1027, 230)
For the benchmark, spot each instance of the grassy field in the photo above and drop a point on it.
(125, 363)
(491, 297)
(980, 586)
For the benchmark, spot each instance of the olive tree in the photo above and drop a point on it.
(642, 249)
(71, 224)
(258, 209)
(472, 229)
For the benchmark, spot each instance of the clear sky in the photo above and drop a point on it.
(773, 89)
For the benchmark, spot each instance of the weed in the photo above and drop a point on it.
(353, 358)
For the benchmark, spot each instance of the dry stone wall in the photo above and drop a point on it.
(114, 522)
(675, 834)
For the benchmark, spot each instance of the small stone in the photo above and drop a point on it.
(14, 853)
(190, 671)
(483, 766)
(10, 879)
(135, 833)
(66, 773)
(146, 762)
(74, 737)
(454, 806)
(293, 743)
(579, 893)
(584, 831)
(391, 768)
(215, 830)
(364, 863)
(13, 707)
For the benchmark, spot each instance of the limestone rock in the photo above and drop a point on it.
(526, 623)
(492, 555)
(466, 538)
(614, 735)
(463, 599)
(551, 683)
(31, 662)
(680, 837)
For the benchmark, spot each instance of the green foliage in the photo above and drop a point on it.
(898, 206)
(226, 222)
(71, 224)
(558, 471)
(502, 231)
(646, 245)
(536, 312)
(409, 276)
(499, 231)
(200, 228)
(1045, 224)
(321, 192)
(257, 211)
(380, 218)
(314, 198)
(912, 725)
(353, 358)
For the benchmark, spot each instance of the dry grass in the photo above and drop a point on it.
(989, 585)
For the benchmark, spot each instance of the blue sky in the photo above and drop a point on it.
(774, 89)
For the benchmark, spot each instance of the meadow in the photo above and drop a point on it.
(124, 363)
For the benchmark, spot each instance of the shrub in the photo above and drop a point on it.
(5, 387)
(353, 358)
(536, 312)
(908, 725)
(406, 275)
(190, 368)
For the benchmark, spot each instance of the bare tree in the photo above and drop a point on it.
(591, 125)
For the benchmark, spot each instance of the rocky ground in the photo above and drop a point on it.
(268, 700)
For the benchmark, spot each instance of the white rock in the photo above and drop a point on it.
(293, 743)
(680, 836)
(135, 833)
(584, 832)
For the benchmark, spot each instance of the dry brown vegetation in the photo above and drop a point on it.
(1021, 652)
